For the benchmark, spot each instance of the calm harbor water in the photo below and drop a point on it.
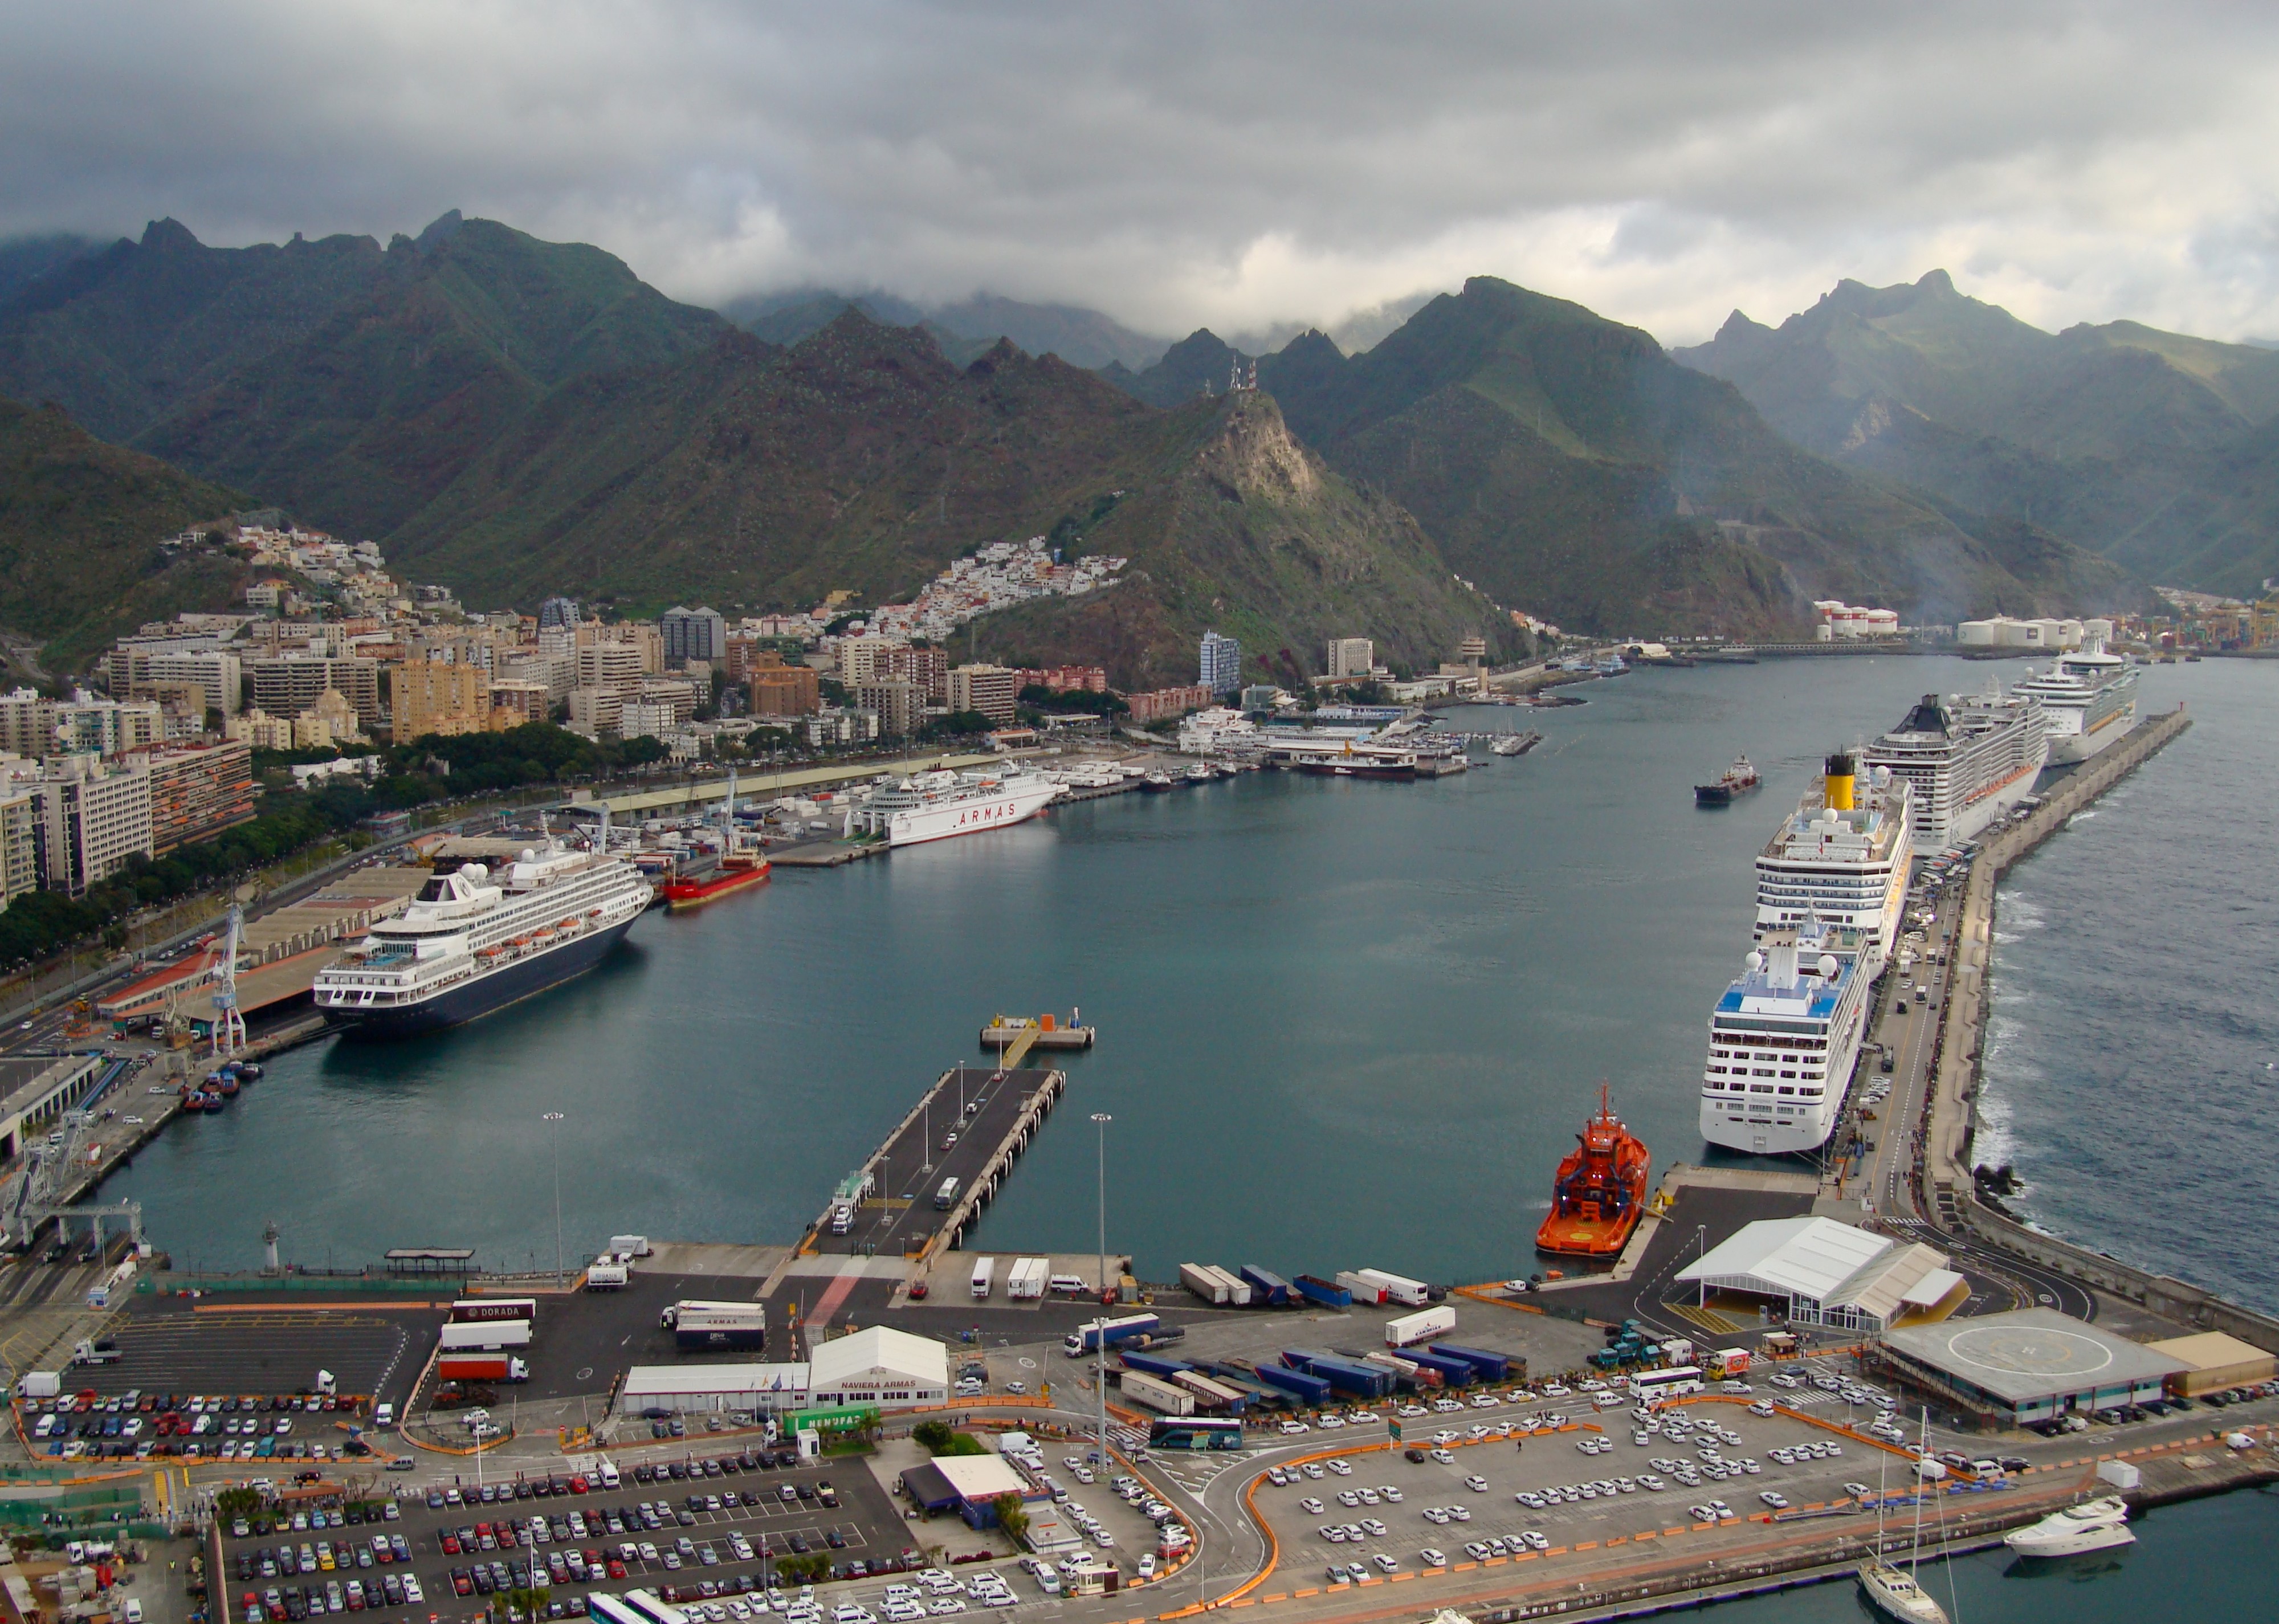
(1340, 1023)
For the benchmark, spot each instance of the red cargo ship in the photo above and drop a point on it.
(735, 873)
(1599, 1193)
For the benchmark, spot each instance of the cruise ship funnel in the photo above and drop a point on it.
(1840, 771)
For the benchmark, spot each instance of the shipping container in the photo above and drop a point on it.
(481, 1367)
(1362, 1290)
(1026, 1283)
(1308, 1389)
(1397, 1288)
(983, 1268)
(1352, 1378)
(1492, 1365)
(630, 1245)
(1212, 1395)
(469, 1310)
(1168, 1397)
(606, 1277)
(1452, 1372)
(1268, 1289)
(1313, 1289)
(460, 1338)
(1422, 1326)
(1238, 1289)
(1154, 1364)
(1205, 1282)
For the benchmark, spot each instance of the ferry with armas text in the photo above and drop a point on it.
(1783, 1041)
(475, 940)
(937, 806)
(2089, 698)
(1966, 758)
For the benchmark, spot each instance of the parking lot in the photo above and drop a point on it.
(1554, 1473)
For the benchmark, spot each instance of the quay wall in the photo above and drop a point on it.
(1949, 1191)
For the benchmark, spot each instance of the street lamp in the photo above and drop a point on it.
(1100, 1119)
(1701, 1242)
(555, 1136)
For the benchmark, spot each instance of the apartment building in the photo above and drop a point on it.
(438, 697)
(196, 790)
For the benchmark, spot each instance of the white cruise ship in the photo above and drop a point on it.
(474, 941)
(1966, 759)
(2089, 698)
(1842, 857)
(1783, 1041)
(935, 806)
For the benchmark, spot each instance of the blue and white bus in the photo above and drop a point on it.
(1195, 1432)
(647, 1608)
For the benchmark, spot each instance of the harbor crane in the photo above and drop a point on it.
(228, 1024)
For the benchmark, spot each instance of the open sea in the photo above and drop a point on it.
(1347, 1024)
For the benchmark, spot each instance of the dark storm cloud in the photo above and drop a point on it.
(1241, 164)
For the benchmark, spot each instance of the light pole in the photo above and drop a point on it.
(1100, 1379)
(1702, 1252)
(556, 1137)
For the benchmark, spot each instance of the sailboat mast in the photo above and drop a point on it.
(1922, 1484)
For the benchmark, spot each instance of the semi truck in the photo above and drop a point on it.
(630, 1245)
(1026, 1283)
(479, 1310)
(1358, 1287)
(1206, 1283)
(1266, 1288)
(1422, 1326)
(465, 1367)
(487, 1336)
(984, 1270)
(39, 1384)
(696, 1323)
(1157, 1394)
(1328, 1293)
(1096, 1334)
(606, 1277)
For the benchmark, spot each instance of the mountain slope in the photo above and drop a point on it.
(121, 337)
(863, 460)
(1566, 463)
(1081, 337)
(2132, 441)
(80, 524)
(361, 421)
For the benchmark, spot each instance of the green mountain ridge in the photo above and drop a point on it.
(1570, 467)
(2148, 447)
(80, 526)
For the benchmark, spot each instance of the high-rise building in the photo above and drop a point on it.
(439, 697)
(93, 817)
(692, 634)
(784, 691)
(990, 689)
(286, 685)
(36, 727)
(1222, 664)
(1351, 657)
(515, 702)
(557, 612)
(896, 701)
(20, 842)
(196, 791)
(135, 673)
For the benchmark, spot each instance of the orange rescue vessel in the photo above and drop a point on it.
(1599, 1193)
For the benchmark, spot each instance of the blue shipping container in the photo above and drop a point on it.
(1321, 1291)
(1453, 1372)
(1493, 1367)
(1266, 1286)
(1154, 1364)
(1298, 1384)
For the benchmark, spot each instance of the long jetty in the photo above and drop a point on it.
(1950, 1192)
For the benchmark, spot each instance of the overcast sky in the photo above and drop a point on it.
(1236, 165)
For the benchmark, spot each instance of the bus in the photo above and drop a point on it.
(606, 1609)
(1195, 1432)
(647, 1608)
(1655, 1386)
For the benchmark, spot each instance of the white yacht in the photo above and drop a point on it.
(2089, 698)
(474, 941)
(1967, 759)
(1842, 857)
(1783, 1039)
(935, 806)
(2093, 1525)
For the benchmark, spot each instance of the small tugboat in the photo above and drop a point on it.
(1738, 780)
(1599, 1194)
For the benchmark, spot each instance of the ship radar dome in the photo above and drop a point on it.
(1882, 777)
(476, 872)
(529, 855)
(1827, 967)
(1756, 961)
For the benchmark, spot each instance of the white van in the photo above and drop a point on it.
(609, 1475)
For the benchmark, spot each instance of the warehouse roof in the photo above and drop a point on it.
(1795, 1257)
(879, 1347)
(980, 1478)
(680, 1381)
(2030, 1354)
(2211, 1351)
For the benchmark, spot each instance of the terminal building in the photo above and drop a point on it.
(1816, 1271)
(967, 1485)
(2029, 1365)
(879, 1369)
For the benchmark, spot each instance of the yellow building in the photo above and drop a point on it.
(430, 696)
